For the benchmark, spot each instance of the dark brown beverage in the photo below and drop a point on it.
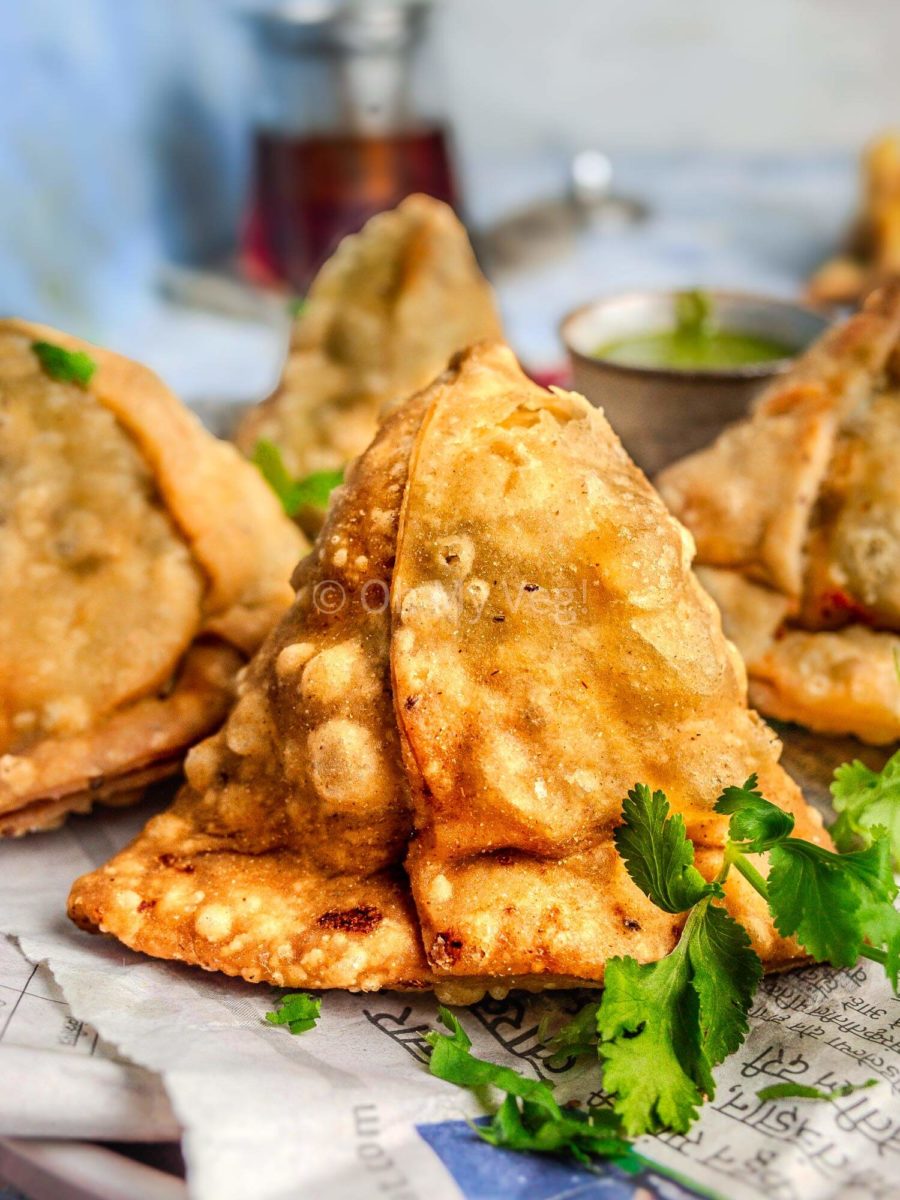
(309, 190)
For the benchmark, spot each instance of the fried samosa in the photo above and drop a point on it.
(382, 318)
(872, 253)
(496, 635)
(796, 516)
(143, 563)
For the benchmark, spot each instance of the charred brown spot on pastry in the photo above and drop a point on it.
(362, 919)
(411, 702)
(446, 950)
(170, 860)
(633, 925)
(146, 905)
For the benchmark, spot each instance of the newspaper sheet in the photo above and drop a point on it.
(348, 1111)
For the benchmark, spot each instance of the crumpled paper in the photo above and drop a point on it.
(348, 1111)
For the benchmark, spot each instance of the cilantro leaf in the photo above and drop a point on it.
(665, 1025)
(657, 852)
(529, 1117)
(726, 973)
(66, 366)
(864, 798)
(296, 305)
(647, 1011)
(802, 1091)
(756, 825)
(267, 457)
(576, 1038)
(836, 903)
(297, 1010)
(313, 491)
(583, 1135)
(451, 1060)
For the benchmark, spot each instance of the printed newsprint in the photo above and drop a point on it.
(348, 1111)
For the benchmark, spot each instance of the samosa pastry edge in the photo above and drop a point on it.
(424, 793)
(143, 562)
(796, 514)
(382, 318)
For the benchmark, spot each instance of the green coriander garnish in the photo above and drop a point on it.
(664, 1025)
(66, 366)
(864, 799)
(313, 491)
(529, 1116)
(802, 1091)
(297, 1010)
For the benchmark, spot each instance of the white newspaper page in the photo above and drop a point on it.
(348, 1111)
(58, 1077)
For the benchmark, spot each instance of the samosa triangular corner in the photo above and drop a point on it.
(496, 636)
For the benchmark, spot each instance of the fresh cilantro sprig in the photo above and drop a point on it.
(756, 825)
(840, 907)
(657, 853)
(313, 491)
(863, 800)
(575, 1039)
(65, 366)
(664, 1025)
(296, 1010)
(529, 1116)
(802, 1091)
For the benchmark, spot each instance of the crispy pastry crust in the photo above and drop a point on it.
(543, 662)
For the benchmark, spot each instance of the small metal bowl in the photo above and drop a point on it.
(662, 414)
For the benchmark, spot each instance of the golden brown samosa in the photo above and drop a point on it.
(381, 320)
(796, 514)
(425, 793)
(143, 562)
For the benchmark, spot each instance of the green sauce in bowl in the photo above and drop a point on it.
(694, 344)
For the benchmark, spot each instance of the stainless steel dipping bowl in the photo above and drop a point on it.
(662, 414)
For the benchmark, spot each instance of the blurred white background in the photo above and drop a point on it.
(124, 138)
(672, 74)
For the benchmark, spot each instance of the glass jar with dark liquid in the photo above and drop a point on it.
(344, 130)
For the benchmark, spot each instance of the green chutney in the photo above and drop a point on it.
(695, 343)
